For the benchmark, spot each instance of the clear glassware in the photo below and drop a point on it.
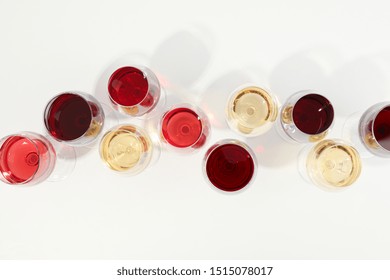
(74, 118)
(251, 110)
(230, 165)
(127, 149)
(28, 158)
(374, 129)
(134, 90)
(306, 117)
(184, 128)
(330, 164)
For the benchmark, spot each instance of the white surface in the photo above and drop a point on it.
(340, 48)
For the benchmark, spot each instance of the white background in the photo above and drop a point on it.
(340, 48)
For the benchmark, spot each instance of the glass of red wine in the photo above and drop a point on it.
(230, 165)
(74, 117)
(29, 158)
(184, 128)
(306, 117)
(374, 129)
(134, 91)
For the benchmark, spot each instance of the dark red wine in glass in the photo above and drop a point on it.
(76, 118)
(374, 129)
(230, 165)
(381, 128)
(134, 90)
(185, 126)
(26, 158)
(306, 117)
(313, 114)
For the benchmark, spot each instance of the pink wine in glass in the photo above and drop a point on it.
(134, 91)
(25, 158)
(75, 118)
(229, 165)
(307, 117)
(185, 126)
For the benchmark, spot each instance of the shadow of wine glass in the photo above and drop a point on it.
(214, 98)
(360, 83)
(182, 58)
(178, 62)
(306, 69)
(272, 151)
(350, 85)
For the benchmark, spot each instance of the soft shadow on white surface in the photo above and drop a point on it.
(178, 62)
(350, 85)
(350, 133)
(306, 69)
(360, 83)
(214, 98)
(65, 162)
(272, 151)
(182, 58)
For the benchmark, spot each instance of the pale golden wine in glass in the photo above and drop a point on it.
(127, 149)
(333, 163)
(251, 111)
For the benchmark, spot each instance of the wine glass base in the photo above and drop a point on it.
(303, 171)
(65, 162)
(350, 133)
(280, 131)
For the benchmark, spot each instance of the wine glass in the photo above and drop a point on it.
(230, 165)
(28, 158)
(134, 90)
(251, 110)
(331, 164)
(127, 149)
(184, 128)
(306, 117)
(74, 118)
(374, 129)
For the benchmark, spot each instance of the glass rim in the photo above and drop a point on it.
(75, 93)
(195, 109)
(138, 133)
(223, 142)
(302, 94)
(28, 135)
(247, 87)
(378, 108)
(146, 75)
(348, 148)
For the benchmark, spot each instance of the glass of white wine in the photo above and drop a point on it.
(251, 110)
(331, 164)
(127, 149)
